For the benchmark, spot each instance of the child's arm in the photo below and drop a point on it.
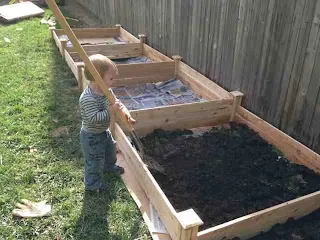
(92, 113)
(126, 112)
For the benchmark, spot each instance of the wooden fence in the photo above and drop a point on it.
(267, 49)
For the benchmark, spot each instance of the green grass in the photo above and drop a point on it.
(36, 89)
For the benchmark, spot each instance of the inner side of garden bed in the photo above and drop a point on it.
(229, 167)
(230, 172)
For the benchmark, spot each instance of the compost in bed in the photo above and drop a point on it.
(225, 173)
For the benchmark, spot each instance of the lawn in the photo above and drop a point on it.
(38, 94)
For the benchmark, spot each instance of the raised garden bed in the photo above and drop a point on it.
(91, 38)
(211, 100)
(231, 168)
(120, 46)
(269, 206)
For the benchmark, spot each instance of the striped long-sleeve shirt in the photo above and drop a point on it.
(94, 111)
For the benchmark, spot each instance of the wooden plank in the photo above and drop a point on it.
(264, 54)
(56, 40)
(201, 90)
(93, 32)
(200, 80)
(239, 49)
(122, 49)
(195, 39)
(254, 59)
(128, 36)
(214, 36)
(206, 8)
(297, 21)
(250, 225)
(237, 99)
(148, 184)
(13, 12)
(154, 54)
(313, 90)
(145, 69)
(280, 57)
(187, 116)
(119, 55)
(139, 80)
(72, 65)
(175, 11)
(315, 127)
(292, 149)
(229, 41)
(304, 33)
(139, 197)
(220, 42)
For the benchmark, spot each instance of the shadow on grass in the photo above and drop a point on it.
(93, 221)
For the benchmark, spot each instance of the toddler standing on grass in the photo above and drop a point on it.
(96, 140)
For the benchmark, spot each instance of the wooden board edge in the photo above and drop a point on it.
(72, 65)
(145, 69)
(118, 82)
(135, 48)
(291, 148)
(90, 32)
(154, 55)
(183, 116)
(251, 225)
(139, 197)
(196, 78)
(56, 40)
(125, 35)
(148, 184)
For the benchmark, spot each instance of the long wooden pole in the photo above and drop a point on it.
(95, 74)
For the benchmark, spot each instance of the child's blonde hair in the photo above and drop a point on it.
(102, 64)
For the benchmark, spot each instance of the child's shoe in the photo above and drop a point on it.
(115, 169)
(103, 188)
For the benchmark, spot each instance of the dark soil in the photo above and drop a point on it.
(305, 228)
(225, 173)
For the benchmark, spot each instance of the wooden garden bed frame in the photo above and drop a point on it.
(218, 104)
(220, 108)
(184, 225)
(160, 69)
(90, 38)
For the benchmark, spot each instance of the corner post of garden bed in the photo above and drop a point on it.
(189, 225)
(142, 38)
(118, 26)
(237, 99)
(177, 60)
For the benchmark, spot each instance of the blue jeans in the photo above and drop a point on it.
(99, 152)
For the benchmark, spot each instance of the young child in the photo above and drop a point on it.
(96, 140)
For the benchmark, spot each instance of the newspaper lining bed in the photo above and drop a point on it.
(151, 95)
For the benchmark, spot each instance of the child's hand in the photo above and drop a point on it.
(119, 106)
(126, 113)
(114, 107)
